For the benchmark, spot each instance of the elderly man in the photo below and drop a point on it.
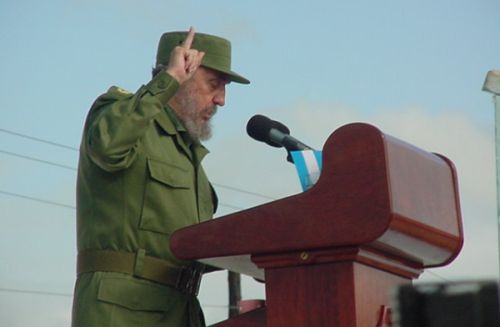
(139, 179)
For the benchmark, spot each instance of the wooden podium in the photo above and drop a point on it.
(381, 212)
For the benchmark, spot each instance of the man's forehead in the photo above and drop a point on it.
(214, 74)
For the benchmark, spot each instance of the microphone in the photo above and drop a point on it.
(273, 133)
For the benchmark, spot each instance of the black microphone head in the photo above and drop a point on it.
(280, 127)
(259, 126)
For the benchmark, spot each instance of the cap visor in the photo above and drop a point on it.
(233, 77)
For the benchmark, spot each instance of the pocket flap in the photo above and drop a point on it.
(135, 294)
(168, 174)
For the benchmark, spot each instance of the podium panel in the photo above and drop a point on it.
(381, 211)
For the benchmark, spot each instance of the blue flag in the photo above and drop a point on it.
(308, 164)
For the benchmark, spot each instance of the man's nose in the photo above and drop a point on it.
(220, 97)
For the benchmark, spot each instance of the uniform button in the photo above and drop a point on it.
(162, 84)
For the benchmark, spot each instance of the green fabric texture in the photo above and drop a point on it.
(119, 300)
(138, 182)
(217, 52)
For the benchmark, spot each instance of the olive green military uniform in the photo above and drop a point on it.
(139, 180)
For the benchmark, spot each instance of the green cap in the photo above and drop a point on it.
(217, 52)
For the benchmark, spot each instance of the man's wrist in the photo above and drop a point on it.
(163, 86)
(174, 74)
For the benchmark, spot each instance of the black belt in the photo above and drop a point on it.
(186, 279)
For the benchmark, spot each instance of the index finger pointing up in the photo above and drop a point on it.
(189, 39)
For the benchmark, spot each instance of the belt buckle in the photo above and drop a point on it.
(189, 281)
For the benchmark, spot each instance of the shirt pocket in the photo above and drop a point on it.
(135, 303)
(169, 198)
(135, 294)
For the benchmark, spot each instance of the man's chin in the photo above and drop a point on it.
(206, 133)
(201, 131)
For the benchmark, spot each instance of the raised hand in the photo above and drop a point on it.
(184, 61)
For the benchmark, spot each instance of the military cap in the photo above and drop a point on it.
(217, 52)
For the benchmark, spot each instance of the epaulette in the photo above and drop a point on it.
(119, 91)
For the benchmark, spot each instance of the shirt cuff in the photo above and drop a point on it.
(163, 86)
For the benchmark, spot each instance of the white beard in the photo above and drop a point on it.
(192, 116)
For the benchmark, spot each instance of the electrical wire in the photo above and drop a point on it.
(221, 204)
(12, 290)
(232, 188)
(3, 130)
(58, 204)
(55, 164)
(32, 198)
(22, 156)
(437, 275)
(74, 169)
(47, 293)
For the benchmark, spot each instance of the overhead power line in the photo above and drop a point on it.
(47, 293)
(52, 163)
(59, 165)
(230, 206)
(73, 207)
(437, 275)
(232, 188)
(22, 196)
(33, 138)
(58, 204)
(32, 198)
(37, 160)
(12, 290)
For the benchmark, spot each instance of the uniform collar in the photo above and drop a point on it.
(171, 124)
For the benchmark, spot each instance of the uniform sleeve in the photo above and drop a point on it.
(118, 119)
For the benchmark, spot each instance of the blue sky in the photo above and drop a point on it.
(412, 68)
